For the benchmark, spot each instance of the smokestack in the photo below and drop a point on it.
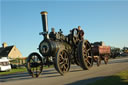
(44, 22)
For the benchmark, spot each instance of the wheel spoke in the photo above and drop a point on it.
(36, 70)
(33, 69)
(61, 56)
(65, 67)
(61, 62)
(88, 62)
(33, 60)
(66, 60)
(88, 49)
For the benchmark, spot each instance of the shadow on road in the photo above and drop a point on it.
(23, 76)
(76, 70)
(48, 74)
(12, 77)
(110, 80)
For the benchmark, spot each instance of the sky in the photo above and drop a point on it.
(101, 20)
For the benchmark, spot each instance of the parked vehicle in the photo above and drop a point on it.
(125, 50)
(5, 64)
(115, 52)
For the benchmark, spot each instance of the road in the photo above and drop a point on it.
(76, 76)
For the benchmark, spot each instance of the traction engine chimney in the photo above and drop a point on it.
(45, 24)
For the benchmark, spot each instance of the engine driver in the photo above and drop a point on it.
(52, 34)
(81, 33)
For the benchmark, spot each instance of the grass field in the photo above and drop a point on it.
(14, 71)
(118, 79)
(20, 70)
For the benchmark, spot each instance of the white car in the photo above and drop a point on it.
(4, 64)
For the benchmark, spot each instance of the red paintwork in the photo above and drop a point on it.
(99, 50)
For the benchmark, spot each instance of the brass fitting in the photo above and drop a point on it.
(44, 13)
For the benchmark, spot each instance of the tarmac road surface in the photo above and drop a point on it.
(76, 76)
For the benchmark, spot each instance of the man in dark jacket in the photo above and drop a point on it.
(52, 34)
(81, 33)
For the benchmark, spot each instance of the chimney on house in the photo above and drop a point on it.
(4, 45)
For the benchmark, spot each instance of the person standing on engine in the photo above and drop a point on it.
(81, 33)
(52, 34)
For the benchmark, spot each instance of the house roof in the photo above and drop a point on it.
(5, 51)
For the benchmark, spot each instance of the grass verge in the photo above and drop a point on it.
(118, 79)
(12, 71)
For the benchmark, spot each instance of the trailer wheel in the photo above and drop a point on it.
(85, 55)
(106, 59)
(62, 62)
(34, 64)
(98, 61)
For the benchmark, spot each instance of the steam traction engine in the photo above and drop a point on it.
(64, 50)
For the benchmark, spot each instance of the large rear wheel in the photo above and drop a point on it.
(85, 55)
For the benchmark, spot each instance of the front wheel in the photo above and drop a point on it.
(34, 64)
(62, 62)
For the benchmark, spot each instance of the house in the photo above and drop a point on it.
(9, 51)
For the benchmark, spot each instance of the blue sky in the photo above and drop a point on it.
(101, 20)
